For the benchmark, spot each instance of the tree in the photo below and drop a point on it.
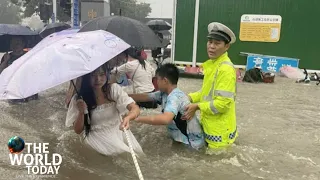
(32, 7)
(130, 8)
(9, 13)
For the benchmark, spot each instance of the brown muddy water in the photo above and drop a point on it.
(279, 139)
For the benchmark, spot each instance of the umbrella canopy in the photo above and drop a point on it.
(131, 31)
(57, 59)
(7, 31)
(52, 28)
(159, 25)
(165, 42)
(67, 31)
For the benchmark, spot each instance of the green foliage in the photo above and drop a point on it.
(129, 8)
(9, 13)
(32, 7)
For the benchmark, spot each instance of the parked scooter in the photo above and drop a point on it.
(166, 53)
(314, 77)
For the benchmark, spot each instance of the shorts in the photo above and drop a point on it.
(149, 104)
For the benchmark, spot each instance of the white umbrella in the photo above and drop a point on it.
(58, 58)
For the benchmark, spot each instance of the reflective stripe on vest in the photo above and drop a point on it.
(221, 93)
(213, 109)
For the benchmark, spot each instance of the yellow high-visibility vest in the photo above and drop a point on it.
(216, 101)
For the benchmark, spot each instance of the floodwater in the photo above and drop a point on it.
(279, 139)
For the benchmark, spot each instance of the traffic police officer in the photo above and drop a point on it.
(216, 99)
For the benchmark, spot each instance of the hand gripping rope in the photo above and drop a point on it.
(129, 144)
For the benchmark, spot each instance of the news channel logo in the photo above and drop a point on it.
(36, 157)
(16, 145)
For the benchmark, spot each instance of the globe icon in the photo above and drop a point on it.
(16, 144)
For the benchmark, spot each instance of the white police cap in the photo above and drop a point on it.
(221, 32)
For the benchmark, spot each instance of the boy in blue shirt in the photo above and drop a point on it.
(173, 102)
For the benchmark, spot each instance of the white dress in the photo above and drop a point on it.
(105, 135)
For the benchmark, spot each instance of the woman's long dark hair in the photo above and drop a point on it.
(136, 54)
(87, 94)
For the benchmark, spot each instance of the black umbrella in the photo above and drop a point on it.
(159, 25)
(165, 42)
(52, 28)
(7, 31)
(131, 31)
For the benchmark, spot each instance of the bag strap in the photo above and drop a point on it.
(134, 90)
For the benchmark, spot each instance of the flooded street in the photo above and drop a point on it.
(279, 139)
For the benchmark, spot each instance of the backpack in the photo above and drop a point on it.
(253, 76)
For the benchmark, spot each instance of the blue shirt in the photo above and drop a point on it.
(175, 103)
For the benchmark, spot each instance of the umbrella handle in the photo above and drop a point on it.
(75, 87)
(87, 122)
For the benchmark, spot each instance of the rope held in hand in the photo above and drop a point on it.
(133, 155)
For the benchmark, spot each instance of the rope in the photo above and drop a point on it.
(133, 156)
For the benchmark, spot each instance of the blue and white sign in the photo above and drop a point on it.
(270, 63)
(76, 22)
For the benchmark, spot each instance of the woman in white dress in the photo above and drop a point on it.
(106, 103)
(140, 72)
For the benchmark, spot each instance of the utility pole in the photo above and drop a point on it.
(75, 13)
(54, 11)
